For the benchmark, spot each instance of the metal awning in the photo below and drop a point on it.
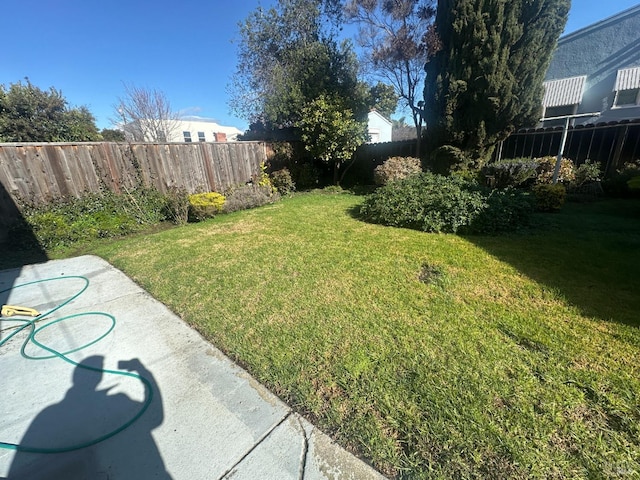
(565, 91)
(627, 79)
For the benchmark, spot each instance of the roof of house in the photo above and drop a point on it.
(378, 114)
(594, 26)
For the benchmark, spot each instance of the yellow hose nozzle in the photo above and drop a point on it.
(11, 310)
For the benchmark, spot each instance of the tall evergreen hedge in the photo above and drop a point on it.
(486, 81)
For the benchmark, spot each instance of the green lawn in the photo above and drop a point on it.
(432, 356)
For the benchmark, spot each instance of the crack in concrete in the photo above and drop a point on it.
(305, 450)
(256, 445)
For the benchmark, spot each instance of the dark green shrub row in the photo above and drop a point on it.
(95, 215)
(435, 203)
(618, 184)
(549, 197)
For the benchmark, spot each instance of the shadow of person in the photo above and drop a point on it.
(18, 242)
(76, 438)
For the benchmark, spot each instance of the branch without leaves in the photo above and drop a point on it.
(146, 115)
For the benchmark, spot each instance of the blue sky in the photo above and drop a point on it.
(87, 49)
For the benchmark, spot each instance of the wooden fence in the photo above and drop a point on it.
(41, 172)
(38, 173)
(368, 156)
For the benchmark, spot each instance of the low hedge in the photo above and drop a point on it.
(435, 203)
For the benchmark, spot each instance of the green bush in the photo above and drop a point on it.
(396, 168)
(248, 196)
(205, 205)
(282, 180)
(617, 185)
(434, 203)
(305, 175)
(507, 209)
(549, 197)
(448, 158)
(94, 215)
(586, 173)
(510, 173)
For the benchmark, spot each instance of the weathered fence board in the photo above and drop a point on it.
(41, 172)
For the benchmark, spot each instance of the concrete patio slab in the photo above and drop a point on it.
(191, 412)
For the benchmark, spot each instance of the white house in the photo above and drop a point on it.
(198, 129)
(379, 128)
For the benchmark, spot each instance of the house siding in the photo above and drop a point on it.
(599, 51)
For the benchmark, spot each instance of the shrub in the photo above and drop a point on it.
(618, 184)
(448, 158)
(78, 220)
(396, 168)
(51, 229)
(510, 173)
(283, 182)
(262, 179)
(546, 166)
(93, 215)
(507, 209)
(248, 196)
(305, 175)
(205, 205)
(586, 173)
(177, 205)
(549, 197)
(434, 203)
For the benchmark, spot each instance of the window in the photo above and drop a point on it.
(627, 97)
(627, 87)
(187, 136)
(201, 137)
(560, 111)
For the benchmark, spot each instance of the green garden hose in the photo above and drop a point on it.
(30, 324)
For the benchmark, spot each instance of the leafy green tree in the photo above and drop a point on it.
(80, 126)
(383, 98)
(289, 55)
(112, 135)
(486, 80)
(29, 114)
(330, 132)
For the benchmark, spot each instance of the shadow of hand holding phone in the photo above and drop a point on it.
(86, 423)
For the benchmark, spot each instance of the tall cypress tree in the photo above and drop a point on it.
(486, 81)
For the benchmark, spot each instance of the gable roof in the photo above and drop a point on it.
(379, 115)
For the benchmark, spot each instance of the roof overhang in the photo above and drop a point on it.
(627, 79)
(565, 91)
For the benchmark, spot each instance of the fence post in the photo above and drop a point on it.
(556, 170)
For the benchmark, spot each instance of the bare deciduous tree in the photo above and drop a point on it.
(145, 115)
(398, 37)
